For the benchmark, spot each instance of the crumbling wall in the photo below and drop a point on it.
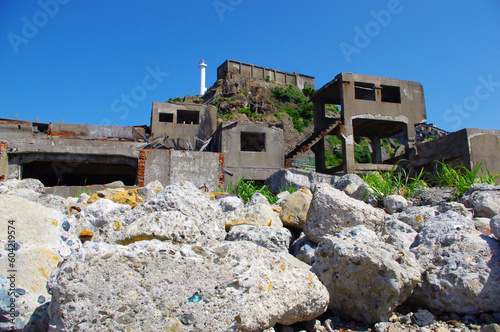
(4, 163)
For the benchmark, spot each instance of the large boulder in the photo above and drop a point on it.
(173, 226)
(158, 286)
(484, 199)
(276, 239)
(294, 209)
(181, 196)
(461, 266)
(396, 233)
(433, 196)
(417, 216)
(296, 178)
(354, 186)
(229, 203)
(366, 278)
(495, 226)
(103, 212)
(332, 210)
(34, 239)
(257, 215)
(258, 198)
(395, 203)
(30, 184)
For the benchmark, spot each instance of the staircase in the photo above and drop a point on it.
(311, 141)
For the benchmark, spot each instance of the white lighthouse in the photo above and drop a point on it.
(202, 66)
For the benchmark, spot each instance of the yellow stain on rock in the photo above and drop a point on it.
(117, 225)
(118, 195)
(269, 287)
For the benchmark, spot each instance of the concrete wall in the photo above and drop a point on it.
(93, 131)
(255, 165)
(297, 80)
(4, 162)
(467, 147)
(168, 166)
(169, 128)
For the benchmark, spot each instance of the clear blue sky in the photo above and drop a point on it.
(91, 61)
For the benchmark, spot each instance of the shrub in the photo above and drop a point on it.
(246, 188)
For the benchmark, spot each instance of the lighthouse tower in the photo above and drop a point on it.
(202, 66)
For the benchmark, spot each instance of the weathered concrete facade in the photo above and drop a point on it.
(299, 81)
(371, 106)
(251, 150)
(204, 169)
(183, 125)
(467, 147)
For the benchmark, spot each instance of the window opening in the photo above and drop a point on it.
(253, 142)
(188, 117)
(391, 94)
(166, 117)
(365, 91)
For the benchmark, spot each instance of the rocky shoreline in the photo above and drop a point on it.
(324, 258)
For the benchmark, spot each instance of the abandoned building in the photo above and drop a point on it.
(186, 141)
(370, 106)
(297, 80)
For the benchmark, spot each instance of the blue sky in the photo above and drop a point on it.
(105, 62)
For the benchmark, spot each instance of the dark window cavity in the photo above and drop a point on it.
(391, 94)
(166, 117)
(253, 142)
(188, 117)
(365, 91)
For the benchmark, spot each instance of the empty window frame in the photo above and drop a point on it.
(365, 91)
(166, 117)
(188, 117)
(391, 94)
(253, 142)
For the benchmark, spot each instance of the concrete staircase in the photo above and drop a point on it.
(311, 141)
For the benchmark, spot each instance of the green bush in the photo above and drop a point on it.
(289, 95)
(246, 188)
(308, 91)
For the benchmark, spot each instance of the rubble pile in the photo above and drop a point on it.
(324, 258)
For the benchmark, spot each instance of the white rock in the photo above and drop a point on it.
(229, 203)
(485, 201)
(366, 278)
(417, 216)
(152, 285)
(455, 206)
(462, 266)
(332, 210)
(276, 239)
(395, 203)
(397, 233)
(39, 239)
(172, 226)
(30, 184)
(104, 211)
(258, 198)
(257, 215)
(495, 226)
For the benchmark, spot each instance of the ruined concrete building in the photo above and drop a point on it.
(186, 141)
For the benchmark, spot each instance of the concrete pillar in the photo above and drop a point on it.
(376, 150)
(348, 149)
(319, 156)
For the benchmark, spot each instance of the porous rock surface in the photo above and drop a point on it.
(495, 226)
(461, 266)
(332, 210)
(257, 215)
(484, 199)
(41, 238)
(152, 285)
(366, 278)
(276, 239)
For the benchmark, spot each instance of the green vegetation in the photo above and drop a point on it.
(301, 113)
(308, 91)
(246, 188)
(226, 117)
(460, 177)
(176, 100)
(83, 191)
(395, 182)
(334, 158)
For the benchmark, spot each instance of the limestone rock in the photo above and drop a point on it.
(303, 249)
(103, 212)
(173, 226)
(395, 203)
(40, 239)
(118, 195)
(433, 196)
(417, 216)
(485, 200)
(158, 286)
(366, 278)
(276, 239)
(181, 196)
(462, 266)
(396, 233)
(454, 206)
(258, 198)
(354, 186)
(332, 210)
(495, 226)
(297, 178)
(30, 184)
(257, 215)
(282, 197)
(294, 210)
(229, 203)
(150, 190)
